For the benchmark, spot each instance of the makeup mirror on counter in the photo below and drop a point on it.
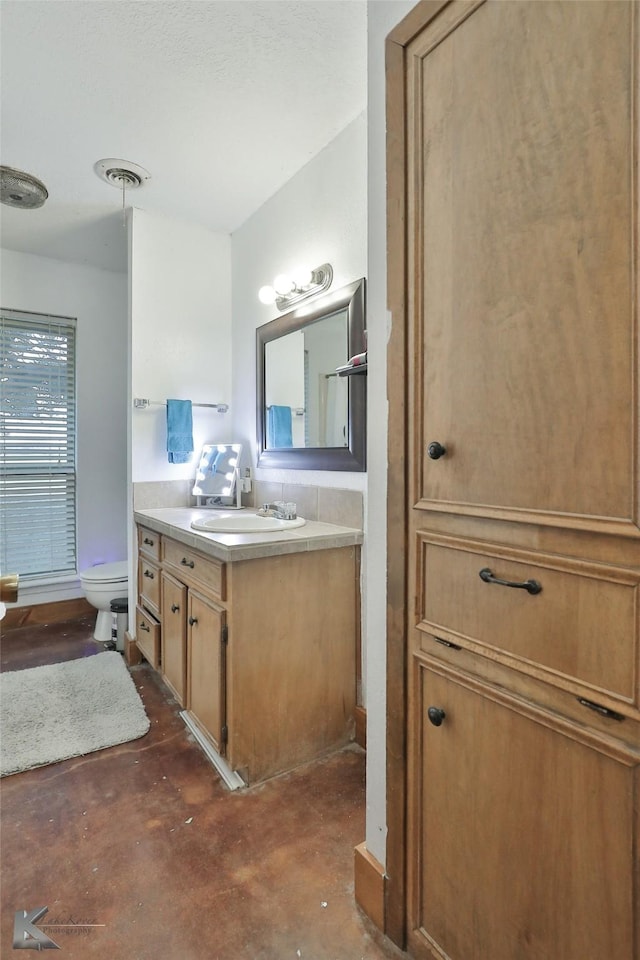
(217, 482)
(310, 416)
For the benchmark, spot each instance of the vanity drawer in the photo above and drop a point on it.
(149, 543)
(149, 584)
(194, 569)
(148, 637)
(582, 625)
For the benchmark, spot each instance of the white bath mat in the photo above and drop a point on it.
(67, 710)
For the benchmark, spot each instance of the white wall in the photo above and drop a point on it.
(180, 336)
(98, 299)
(383, 15)
(319, 216)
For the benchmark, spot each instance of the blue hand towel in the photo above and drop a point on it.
(179, 431)
(279, 427)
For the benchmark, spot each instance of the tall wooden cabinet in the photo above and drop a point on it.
(513, 184)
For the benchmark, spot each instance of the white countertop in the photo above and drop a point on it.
(175, 522)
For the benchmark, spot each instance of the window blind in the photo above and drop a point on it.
(37, 445)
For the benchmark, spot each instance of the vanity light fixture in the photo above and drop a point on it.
(288, 290)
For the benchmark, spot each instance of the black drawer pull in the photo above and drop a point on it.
(436, 716)
(174, 608)
(192, 621)
(531, 586)
(447, 643)
(603, 711)
(144, 627)
(148, 573)
(187, 563)
(149, 542)
(435, 450)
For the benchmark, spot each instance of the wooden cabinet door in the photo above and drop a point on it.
(206, 654)
(174, 636)
(521, 165)
(525, 832)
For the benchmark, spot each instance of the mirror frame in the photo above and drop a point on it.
(352, 457)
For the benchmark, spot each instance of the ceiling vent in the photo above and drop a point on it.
(19, 189)
(121, 173)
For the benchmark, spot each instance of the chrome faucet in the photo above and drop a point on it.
(278, 509)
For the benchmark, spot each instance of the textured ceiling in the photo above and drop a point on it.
(221, 101)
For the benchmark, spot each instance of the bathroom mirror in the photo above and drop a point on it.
(308, 416)
(217, 476)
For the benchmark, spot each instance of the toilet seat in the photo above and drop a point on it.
(106, 572)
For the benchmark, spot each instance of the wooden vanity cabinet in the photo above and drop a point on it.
(260, 653)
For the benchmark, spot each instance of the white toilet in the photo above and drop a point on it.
(102, 584)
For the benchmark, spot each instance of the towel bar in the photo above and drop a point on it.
(142, 404)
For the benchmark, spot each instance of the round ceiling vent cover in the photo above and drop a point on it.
(121, 173)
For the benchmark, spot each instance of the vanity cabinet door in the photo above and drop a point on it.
(206, 700)
(174, 636)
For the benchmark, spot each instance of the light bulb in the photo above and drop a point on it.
(302, 276)
(283, 284)
(266, 295)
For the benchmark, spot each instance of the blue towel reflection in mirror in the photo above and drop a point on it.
(179, 431)
(279, 426)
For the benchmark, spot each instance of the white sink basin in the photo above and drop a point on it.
(244, 523)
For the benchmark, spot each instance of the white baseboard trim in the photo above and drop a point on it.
(229, 776)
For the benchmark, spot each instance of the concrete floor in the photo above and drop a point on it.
(143, 841)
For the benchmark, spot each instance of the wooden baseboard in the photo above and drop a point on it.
(369, 881)
(42, 613)
(360, 715)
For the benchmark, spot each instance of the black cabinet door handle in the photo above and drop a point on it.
(147, 541)
(148, 573)
(436, 716)
(192, 621)
(531, 586)
(174, 608)
(435, 450)
(144, 627)
(187, 563)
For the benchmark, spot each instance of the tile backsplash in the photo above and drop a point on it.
(327, 504)
(162, 493)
